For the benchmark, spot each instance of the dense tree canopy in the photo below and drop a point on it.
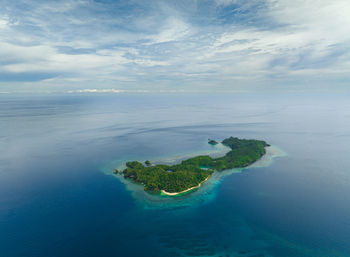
(193, 171)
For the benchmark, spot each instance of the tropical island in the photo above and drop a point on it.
(191, 173)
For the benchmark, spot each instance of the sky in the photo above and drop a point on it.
(174, 46)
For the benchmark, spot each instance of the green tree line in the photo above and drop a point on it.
(193, 171)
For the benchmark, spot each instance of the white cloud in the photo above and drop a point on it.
(173, 30)
(167, 47)
(3, 22)
(309, 31)
(117, 91)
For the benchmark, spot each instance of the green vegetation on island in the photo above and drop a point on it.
(192, 172)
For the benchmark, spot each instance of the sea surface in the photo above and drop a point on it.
(58, 196)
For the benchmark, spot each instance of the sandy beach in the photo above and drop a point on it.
(184, 191)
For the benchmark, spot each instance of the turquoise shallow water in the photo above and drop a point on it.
(58, 197)
(205, 193)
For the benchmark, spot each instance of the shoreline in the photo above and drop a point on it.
(184, 191)
(163, 192)
(153, 200)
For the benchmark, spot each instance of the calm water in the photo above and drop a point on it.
(57, 199)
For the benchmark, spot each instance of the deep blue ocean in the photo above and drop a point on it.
(58, 197)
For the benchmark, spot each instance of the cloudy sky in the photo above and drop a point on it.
(174, 45)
